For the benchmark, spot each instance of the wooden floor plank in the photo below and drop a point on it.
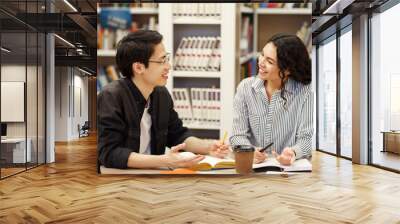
(70, 191)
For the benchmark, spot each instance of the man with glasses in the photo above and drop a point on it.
(136, 118)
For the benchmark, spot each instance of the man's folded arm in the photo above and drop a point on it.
(111, 129)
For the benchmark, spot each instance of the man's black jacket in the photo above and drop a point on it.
(119, 113)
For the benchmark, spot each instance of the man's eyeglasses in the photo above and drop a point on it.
(164, 60)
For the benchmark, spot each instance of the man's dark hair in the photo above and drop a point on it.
(136, 47)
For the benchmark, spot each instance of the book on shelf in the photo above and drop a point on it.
(246, 38)
(105, 75)
(182, 104)
(196, 10)
(248, 69)
(209, 162)
(198, 105)
(271, 164)
(280, 5)
(108, 35)
(198, 54)
(108, 38)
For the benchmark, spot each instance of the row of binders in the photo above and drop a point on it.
(196, 10)
(201, 106)
(198, 54)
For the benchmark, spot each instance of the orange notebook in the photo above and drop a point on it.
(178, 171)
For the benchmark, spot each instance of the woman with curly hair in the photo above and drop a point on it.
(276, 106)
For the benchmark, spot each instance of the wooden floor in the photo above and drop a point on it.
(70, 191)
(386, 159)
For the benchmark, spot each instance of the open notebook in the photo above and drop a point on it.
(271, 164)
(210, 162)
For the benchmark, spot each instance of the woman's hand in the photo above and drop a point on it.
(218, 149)
(259, 157)
(174, 160)
(287, 157)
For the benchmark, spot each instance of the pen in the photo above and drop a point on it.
(266, 147)
(224, 138)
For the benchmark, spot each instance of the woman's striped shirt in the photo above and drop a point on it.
(258, 121)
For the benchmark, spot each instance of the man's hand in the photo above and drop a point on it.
(259, 157)
(287, 157)
(218, 149)
(174, 160)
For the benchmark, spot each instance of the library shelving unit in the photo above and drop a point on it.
(174, 28)
(247, 39)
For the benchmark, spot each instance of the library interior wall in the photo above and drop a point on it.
(71, 102)
(34, 105)
(12, 73)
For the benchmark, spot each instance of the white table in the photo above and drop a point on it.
(18, 149)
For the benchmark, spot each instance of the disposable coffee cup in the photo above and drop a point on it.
(244, 155)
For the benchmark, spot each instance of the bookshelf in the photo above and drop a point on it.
(246, 9)
(283, 11)
(106, 53)
(247, 57)
(196, 74)
(247, 42)
(139, 11)
(198, 21)
(174, 28)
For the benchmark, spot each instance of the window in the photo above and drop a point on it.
(385, 89)
(327, 96)
(346, 93)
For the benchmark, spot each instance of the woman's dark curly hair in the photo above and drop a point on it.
(292, 56)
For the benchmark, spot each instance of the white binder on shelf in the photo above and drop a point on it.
(204, 105)
(179, 54)
(187, 107)
(186, 54)
(203, 54)
(197, 54)
(196, 104)
(216, 102)
(215, 61)
(209, 50)
(177, 103)
(191, 55)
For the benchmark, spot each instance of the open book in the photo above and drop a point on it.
(210, 162)
(271, 164)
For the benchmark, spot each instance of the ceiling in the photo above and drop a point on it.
(333, 15)
(22, 20)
